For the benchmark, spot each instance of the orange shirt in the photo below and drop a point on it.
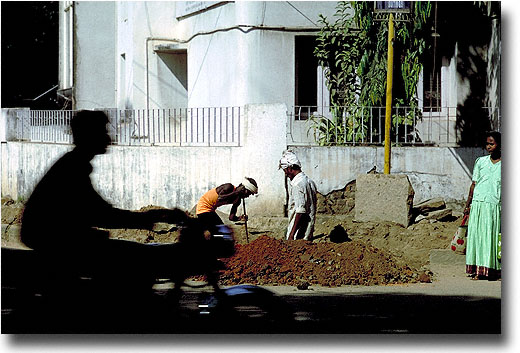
(208, 202)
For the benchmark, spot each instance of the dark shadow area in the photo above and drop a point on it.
(466, 157)
(79, 305)
(468, 41)
(398, 314)
(82, 307)
(30, 54)
(65, 220)
(75, 267)
(177, 63)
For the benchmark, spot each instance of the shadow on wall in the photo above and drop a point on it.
(466, 158)
(471, 38)
(176, 62)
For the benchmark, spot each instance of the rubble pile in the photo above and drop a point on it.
(432, 210)
(300, 263)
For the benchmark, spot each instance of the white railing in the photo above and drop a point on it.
(162, 127)
(44, 125)
(222, 126)
(337, 126)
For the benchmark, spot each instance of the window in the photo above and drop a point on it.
(173, 71)
(432, 91)
(306, 77)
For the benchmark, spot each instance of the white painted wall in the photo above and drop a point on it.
(94, 54)
(433, 171)
(133, 177)
(116, 64)
(137, 176)
(239, 68)
(150, 82)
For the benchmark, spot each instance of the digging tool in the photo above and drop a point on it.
(245, 221)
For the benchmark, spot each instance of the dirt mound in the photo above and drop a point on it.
(379, 253)
(301, 263)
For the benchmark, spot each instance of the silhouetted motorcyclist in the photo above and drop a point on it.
(64, 213)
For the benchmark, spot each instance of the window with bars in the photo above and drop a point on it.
(432, 91)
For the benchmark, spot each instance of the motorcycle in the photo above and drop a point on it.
(154, 296)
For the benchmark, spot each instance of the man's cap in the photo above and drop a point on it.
(289, 159)
(249, 185)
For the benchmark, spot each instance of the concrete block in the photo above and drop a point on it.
(384, 198)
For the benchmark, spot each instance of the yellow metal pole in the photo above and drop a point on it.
(389, 83)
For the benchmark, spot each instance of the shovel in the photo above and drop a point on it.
(245, 222)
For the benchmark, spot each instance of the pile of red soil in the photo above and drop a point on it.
(301, 263)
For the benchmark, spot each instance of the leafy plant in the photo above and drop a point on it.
(327, 131)
(353, 50)
(341, 128)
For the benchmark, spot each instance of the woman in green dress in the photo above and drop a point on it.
(484, 208)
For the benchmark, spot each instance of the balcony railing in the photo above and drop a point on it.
(222, 126)
(350, 126)
(162, 127)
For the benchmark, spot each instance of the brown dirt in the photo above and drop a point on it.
(301, 263)
(378, 253)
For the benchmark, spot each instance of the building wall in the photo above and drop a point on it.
(253, 67)
(136, 176)
(94, 54)
(433, 171)
(117, 63)
(151, 77)
(133, 177)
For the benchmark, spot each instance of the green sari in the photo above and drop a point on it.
(484, 219)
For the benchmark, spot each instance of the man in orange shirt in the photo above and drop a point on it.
(225, 194)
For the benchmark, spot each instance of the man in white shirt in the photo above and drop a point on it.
(302, 199)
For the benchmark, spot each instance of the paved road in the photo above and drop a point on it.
(451, 304)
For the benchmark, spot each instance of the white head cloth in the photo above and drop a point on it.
(289, 159)
(249, 186)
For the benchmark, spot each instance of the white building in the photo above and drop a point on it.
(138, 55)
(178, 54)
(256, 56)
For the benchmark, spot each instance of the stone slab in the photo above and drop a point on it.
(438, 215)
(430, 205)
(384, 198)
